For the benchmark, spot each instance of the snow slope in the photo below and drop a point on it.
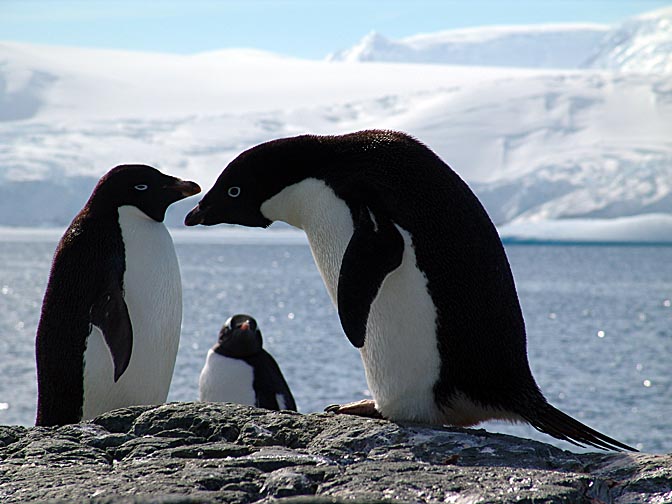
(539, 146)
(640, 44)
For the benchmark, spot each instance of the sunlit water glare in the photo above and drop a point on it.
(599, 322)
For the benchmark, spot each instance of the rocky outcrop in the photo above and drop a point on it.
(204, 452)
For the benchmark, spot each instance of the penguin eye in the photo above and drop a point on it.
(141, 187)
(234, 191)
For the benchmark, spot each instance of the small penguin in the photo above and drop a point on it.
(415, 268)
(238, 370)
(110, 322)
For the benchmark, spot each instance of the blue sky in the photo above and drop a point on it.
(302, 28)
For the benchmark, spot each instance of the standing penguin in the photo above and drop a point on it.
(415, 268)
(238, 370)
(110, 324)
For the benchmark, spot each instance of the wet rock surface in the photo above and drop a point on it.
(205, 452)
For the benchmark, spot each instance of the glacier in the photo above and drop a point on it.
(563, 131)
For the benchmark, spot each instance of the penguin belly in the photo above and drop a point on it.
(224, 379)
(400, 353)
(153, 296)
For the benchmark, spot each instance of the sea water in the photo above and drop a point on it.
(599, 325)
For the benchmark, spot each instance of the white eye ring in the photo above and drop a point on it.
(234, 191)
(141, 187)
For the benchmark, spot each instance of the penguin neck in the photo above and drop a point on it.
(307, 205)
(313, 206)
(241, 352)
(130, 212)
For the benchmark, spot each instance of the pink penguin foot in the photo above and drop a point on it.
(363, 408)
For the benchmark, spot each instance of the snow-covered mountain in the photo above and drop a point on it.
(642, 43)
(543, 46)
(547, 150)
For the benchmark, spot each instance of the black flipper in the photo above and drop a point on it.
(375, 250)
(269, 383)
(110, 314)
(551, 420)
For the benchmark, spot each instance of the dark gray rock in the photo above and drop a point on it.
(204, 452)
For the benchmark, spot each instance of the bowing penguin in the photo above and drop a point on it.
(415, 268)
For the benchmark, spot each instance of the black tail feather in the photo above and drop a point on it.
(551, 420)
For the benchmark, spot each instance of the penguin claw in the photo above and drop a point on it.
(363, 408)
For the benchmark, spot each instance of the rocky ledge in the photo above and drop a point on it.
(204, 452)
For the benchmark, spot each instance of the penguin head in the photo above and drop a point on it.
(252, 178)
(239, 337)
(341, 161)
(141, 186)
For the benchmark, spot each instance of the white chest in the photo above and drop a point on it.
(311, 205)
(153, 295)
(224, 379)
(400, 353)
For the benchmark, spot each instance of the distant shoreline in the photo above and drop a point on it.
(287, 236)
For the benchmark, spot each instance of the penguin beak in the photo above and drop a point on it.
(185, 187)
(195, 217)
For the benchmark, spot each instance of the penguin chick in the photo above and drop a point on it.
(415, 268)
(238, 370)
(110, 322)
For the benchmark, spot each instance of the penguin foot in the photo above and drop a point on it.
(364, 408)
